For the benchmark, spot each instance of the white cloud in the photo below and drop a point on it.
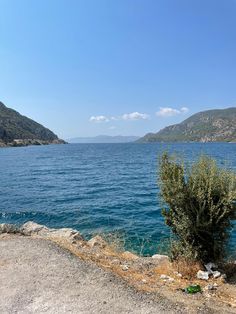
(126, 116)
(98, 119)
(170, 112)
(184, 110)
(135, 116)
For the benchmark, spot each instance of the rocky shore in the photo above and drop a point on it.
(29, 142)
(157, 287)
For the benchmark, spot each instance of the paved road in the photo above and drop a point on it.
(37, 276)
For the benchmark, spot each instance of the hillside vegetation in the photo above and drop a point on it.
(18, 130)
(208, 126)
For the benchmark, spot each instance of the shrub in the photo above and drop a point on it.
(201, 207)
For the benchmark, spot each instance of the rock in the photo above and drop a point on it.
(129, 256)
(8, 228)
(216, 274)
(166, 278)
(202, 275)
(210, 287)
(97, 241)
(125, 267)
(160, 258)
(30, 228)
(66, 233)
(178, 274)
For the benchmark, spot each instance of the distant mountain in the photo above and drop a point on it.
(18, 130)
(208, 126)
(104, 139)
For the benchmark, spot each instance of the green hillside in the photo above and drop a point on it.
(208, 126)
(17, 129)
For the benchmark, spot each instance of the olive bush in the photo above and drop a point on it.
(201, 207)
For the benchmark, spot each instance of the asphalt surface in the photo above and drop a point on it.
(37, 276)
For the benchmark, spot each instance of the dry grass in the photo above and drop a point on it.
(187, 269)
(115, 240)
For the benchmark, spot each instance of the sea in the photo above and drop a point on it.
(108, 189)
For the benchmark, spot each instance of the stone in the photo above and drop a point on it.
(129, 256)
(178, 274)
(210, 287)
(31, 227)
(166, 278)
(204, 275)
(8, 228)
(97, 241)
(66, 233)
(160, 258)
(125, 267)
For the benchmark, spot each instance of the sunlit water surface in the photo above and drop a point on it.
(95, 187)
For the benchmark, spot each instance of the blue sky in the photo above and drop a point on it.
(89, 67)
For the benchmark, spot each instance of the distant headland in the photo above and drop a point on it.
(18, 130)
(217, 125)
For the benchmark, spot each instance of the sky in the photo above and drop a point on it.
(127, 67)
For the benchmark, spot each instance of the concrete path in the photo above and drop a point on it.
(37, 276)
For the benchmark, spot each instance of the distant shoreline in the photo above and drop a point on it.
(30, 142)
(25, 143)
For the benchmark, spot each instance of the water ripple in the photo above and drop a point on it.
(94, 187)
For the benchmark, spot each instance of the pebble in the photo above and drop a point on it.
(211, 287)
(166, 278)
(178, 274)
(125, 267)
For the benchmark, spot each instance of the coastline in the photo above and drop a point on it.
(30, 142)
(141, 273)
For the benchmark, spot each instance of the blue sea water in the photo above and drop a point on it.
(95, 187)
